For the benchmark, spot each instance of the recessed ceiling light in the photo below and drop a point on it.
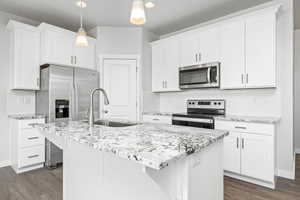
(149, 4)
(81, 4)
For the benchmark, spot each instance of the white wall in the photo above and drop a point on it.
(297, 91)
(259, 102)
(11, 102)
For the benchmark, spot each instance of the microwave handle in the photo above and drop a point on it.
(208, 75)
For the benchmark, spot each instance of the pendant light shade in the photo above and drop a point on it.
(81, 38)
(138, 15)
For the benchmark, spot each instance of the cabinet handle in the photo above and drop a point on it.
(196, 57)
(163, 84)
(242, 78)
(155, 119)
(71, 59)
(247, 78)
(240, 127)
(166, 84)
(243, 143)
(33, 156)
(200, 57)
(33, 138)
(75, 59)
(237, 142)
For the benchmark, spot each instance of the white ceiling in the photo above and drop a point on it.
(168, 15)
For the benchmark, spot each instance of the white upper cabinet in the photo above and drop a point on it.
(199, 47)
(165, 64)
(232, 50)
(189, 50)
(58, 47)
(85, 56)
(261, 51)
(248, 52)
(24, 56)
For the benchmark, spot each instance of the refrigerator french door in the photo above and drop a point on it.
(64, 95)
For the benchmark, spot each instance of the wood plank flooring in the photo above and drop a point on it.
(46, 184)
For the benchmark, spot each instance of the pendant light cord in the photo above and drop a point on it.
(81, 14)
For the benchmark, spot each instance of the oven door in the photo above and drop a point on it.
(193, 122)
(194, 76)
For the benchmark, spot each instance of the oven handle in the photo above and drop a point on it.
(208, 121)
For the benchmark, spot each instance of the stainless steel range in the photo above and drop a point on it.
(200, 113)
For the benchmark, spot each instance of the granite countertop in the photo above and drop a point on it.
(254, 119)
(158, 113)
(26, 116)
(152, 145)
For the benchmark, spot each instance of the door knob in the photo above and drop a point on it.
(105, 111)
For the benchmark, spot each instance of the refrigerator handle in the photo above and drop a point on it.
(76, 99)
(72, 103)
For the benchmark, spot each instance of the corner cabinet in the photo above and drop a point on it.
(165, 65)
(248, 52)
(249, 151)
(58, 47)
(24, 56)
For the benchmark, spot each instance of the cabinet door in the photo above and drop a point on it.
(257, 156)
(85, 56)
(260, 51)
(58, 47)
(189, 50)
(232, 152)
(209, 45)
(26, 59)
(232, 55)
(157, 68)
(171, 64)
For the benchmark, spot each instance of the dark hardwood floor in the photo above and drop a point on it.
(46, 184)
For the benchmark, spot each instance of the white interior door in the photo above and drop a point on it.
(120, 82)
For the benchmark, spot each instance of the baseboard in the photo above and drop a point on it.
(297, 151)
(286, 174)
(4, 163)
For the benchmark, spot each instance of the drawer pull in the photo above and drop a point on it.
(155, 119)
(33, 156)
(237, 142)
(33, 138)
(240, 127)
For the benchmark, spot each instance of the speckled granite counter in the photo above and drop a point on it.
(158, 113)
(265, 120)
(153, 145)
(26, 116)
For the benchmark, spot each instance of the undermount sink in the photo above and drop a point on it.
(113, 123)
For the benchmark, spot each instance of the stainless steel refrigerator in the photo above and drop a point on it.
(64, 95)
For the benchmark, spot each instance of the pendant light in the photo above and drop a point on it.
(81, 38)
(138, 15)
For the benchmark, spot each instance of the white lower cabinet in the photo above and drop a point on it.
(249, 151)
(27, 145)
(158, 119)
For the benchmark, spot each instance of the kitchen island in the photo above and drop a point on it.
(140, 162)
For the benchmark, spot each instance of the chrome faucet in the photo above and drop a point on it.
(106, 102)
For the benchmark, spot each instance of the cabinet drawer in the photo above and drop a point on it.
(31, 156)
(157, 119)
(25, 124)
(257, 128)
(31, 137)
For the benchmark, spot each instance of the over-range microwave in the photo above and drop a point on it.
(200, 76)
